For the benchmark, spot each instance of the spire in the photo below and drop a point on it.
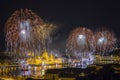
(45, 55)
(51, 57)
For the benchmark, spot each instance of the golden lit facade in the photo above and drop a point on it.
(44, 59)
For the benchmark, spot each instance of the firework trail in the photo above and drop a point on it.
(80, 43)
(26, 32)
(43, 35)
(105, 41)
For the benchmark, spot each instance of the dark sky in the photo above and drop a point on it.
(67, 15)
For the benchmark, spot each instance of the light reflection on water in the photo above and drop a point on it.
(34, 71)
(21, 75)
(24, 72)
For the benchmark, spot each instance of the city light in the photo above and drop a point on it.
(28, 40)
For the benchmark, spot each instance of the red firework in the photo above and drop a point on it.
(80, 42)
(105, 41)
(18, 29)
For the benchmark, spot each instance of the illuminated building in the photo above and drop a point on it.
(44, 59)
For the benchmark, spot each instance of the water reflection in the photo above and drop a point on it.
(33, 71)
(25, 73)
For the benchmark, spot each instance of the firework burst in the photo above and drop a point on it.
(105, 41)
(43, 35)
(80, 43)
(20, 29)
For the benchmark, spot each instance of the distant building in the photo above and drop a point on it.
(44, 59)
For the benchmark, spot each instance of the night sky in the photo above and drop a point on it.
(67, 15)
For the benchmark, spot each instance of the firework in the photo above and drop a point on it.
(43, 35)
(105, 41)
(80, 43)
(19, 30)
